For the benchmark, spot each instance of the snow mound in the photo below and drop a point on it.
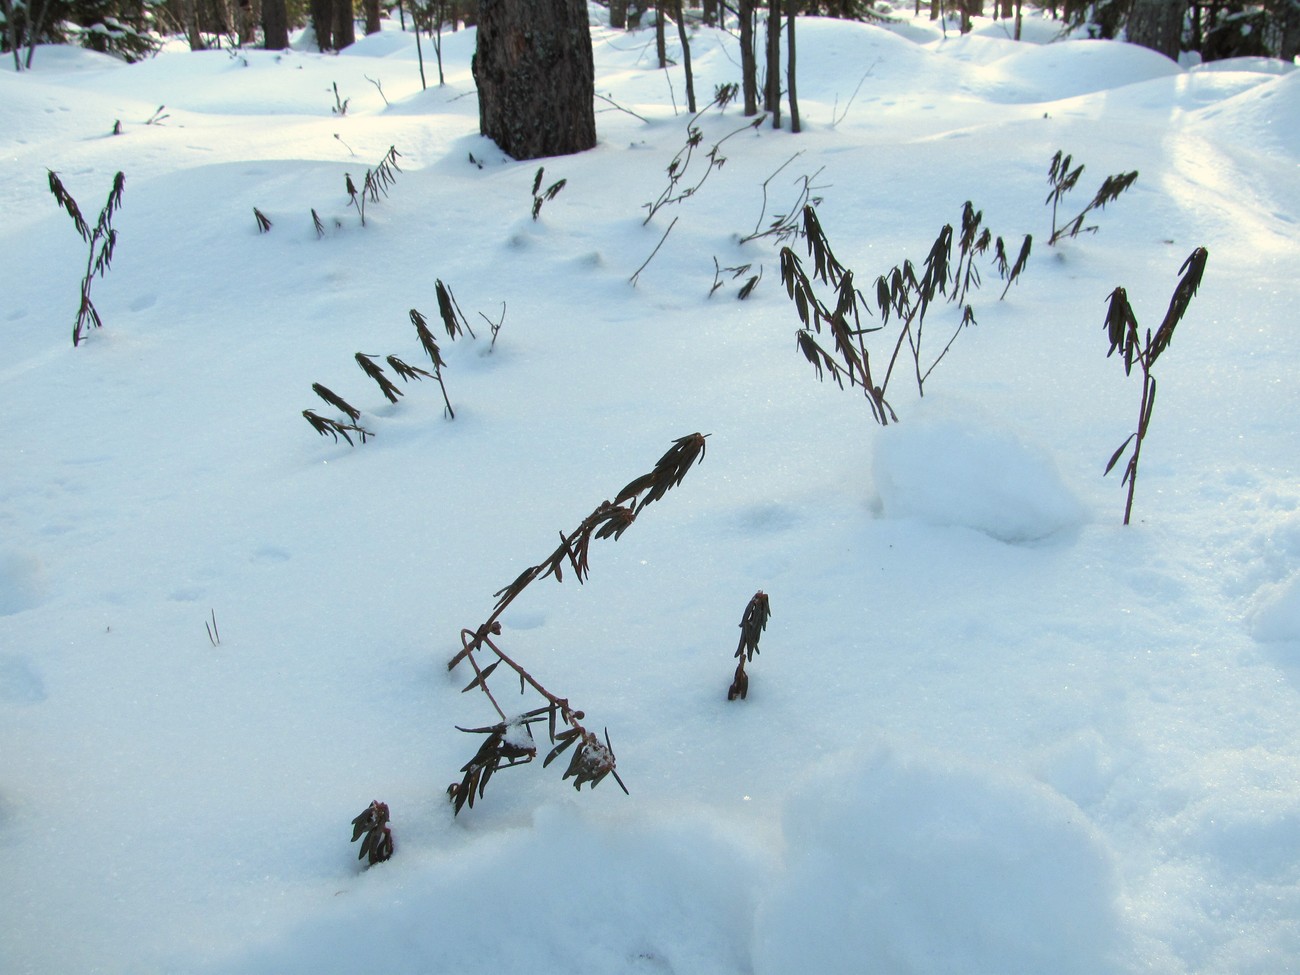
(967, 471)
(1051, 72)
(1262, 118)
(904, 863)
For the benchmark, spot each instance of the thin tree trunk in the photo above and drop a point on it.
(661, 49)
(11, 31)
(772, 98)
(190, 14)
(345, 28)
(618, 14)
(792, 6)
(371, 8)
(686, 56)
(748, 58)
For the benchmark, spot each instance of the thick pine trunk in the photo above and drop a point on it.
(345, 28)
(322, 24)
(1158, 24)
(536, 77)
(275, 25)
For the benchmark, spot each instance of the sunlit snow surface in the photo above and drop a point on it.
(990, 729)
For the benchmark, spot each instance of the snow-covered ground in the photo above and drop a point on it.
(990, 729)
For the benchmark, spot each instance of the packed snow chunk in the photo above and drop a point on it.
(1276, 613)
(965, 470)
(908, 863)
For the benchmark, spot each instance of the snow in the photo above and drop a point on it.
(990, 729)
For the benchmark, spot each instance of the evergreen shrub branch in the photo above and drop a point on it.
(509, 741)
(1122, 330)
(101, 240)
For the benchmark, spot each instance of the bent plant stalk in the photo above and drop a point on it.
(510, 742)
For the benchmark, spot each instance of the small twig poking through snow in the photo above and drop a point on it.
(494, 326)
(836, 116)
(379, 86)
(646, 263)
(752, 625)
(615, 105)
(787, 225)
(344, 144)
(214, 636)
(158, 117)
(263, 222)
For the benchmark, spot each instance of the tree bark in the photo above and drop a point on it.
(345, 28)
(1158, 24)
(792, 6)
(322, 24)
(748, 60)
(275, 25)
(371, 8)
(686, 55)
(661, 48)
(618, 14)
(536, 76)
(772, 93)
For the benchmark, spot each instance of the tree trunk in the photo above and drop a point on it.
(772, 94)
(322, 24)
(748, 59)
(686, 56)
(190, 14)
(345, 28)
(536, 77)
(661, 47)
(618, 14)
(1289, 15)
(1158, 24)
(792, 6)
(275, 25)
(710, 13)
(247, 23)
(371, 7)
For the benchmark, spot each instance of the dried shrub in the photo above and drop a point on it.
(1063, 176)
(905, 294)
